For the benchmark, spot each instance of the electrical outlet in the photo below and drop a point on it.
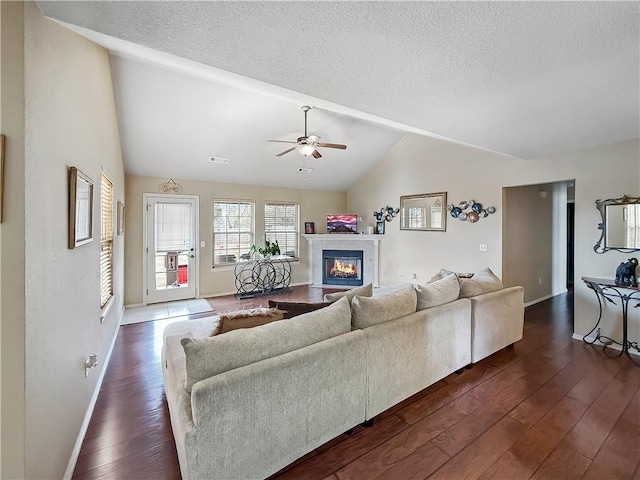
(202, 244)
(483, 247)
(540, 281)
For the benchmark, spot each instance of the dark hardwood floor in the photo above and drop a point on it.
(549, 408)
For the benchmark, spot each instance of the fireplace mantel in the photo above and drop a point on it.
(343, 241)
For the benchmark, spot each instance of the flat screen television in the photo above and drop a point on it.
(342, 224)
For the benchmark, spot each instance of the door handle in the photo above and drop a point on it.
(192, 256)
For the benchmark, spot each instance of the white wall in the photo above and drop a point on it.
(420, 164)
(559, 243)
(70, 119)
(314, 207)
(527, 237)
(12, 294)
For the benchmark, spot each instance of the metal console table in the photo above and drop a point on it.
(608, 290)
(262, 277)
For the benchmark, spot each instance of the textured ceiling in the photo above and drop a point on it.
(520, 78)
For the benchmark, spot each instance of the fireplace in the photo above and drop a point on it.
(342, 267)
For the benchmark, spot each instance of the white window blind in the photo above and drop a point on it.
(281, 223)
(173, 227)
(106, 239)
(233, 234)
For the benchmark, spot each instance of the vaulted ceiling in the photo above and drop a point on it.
(195, 79)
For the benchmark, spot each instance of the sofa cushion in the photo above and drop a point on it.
(394, 287)
(209, 356)
(253, 317)
(368, 311)
(363, 291)
(438, 293)
(484, 281)
(445, 273)
(293, 309)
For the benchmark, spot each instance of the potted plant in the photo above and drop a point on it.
(268, 249)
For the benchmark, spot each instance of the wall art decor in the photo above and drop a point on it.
(80, 208)
(170, 187)
(386, 214)
(469, 211)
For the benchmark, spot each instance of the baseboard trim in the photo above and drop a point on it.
(134, 305)
(577, 336)
(75, 453)
(233, 292)
(538, 300)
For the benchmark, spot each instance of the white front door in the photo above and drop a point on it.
(171, 247)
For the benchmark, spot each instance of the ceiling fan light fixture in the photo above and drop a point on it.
(305, 149)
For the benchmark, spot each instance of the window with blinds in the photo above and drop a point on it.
(232, 230)
(281, 223)
(106, 240)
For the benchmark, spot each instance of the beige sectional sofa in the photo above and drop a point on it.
(251, 401)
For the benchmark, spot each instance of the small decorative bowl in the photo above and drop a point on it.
(483, 213)
(491, 209)
(476, 207)
(473, 217)
(455, 211)
(463, 205)
(463, 216)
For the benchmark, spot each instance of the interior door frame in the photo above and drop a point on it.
(145, 238)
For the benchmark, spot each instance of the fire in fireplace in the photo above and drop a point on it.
(342, 267)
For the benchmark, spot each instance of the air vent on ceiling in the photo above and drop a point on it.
(221, 160)
(305, 170)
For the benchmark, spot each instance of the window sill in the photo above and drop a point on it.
(107, 307)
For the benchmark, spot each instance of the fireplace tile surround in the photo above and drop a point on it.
(367, 243)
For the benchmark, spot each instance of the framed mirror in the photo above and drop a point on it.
(620, 227)
(424, 212)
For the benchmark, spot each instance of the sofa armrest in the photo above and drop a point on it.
(497, 320)
(254, 420)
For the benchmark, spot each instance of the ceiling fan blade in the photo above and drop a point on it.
(316, 154)
(286, 151)
(280, 141)
(331, 145)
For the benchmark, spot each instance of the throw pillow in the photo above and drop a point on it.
(363, 291)
(445, 273)
(368, 311)
(484, 281)
(293, 309)
(438, 293)
(246, 319)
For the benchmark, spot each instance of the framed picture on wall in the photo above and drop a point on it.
(309, 227)
(380, 228)
(80, 208)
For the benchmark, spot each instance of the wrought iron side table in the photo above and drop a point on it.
(607, 289)
(262, 277)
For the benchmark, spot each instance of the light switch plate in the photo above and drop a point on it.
(202, 244)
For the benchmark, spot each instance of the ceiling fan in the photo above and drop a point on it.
(308, 144)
